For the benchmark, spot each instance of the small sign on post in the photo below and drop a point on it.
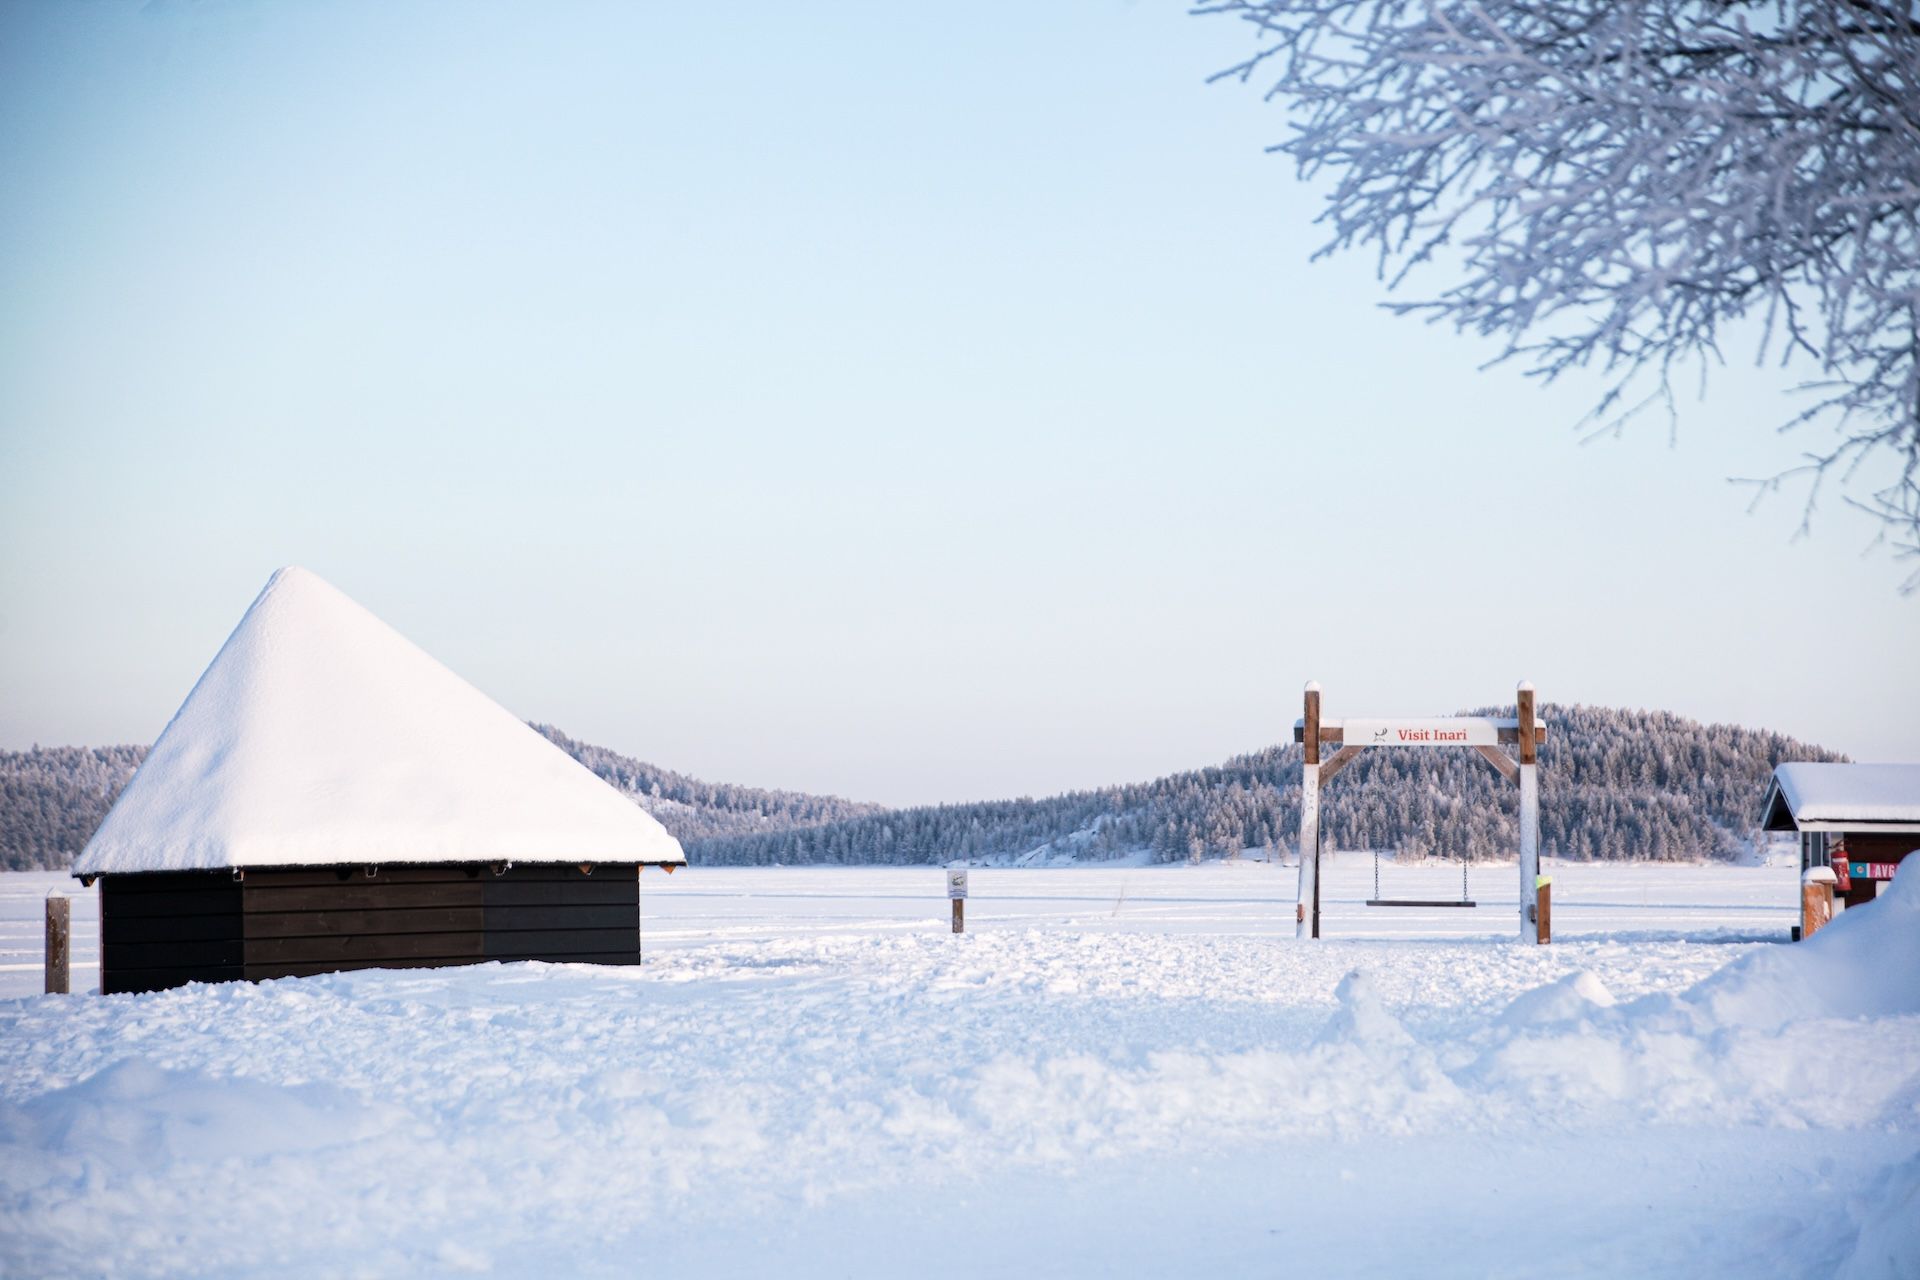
(957, 891)
(59, 938)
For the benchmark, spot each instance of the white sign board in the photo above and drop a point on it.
(1458, 731)
(956, 882)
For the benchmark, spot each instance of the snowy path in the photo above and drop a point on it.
(1115, 1072)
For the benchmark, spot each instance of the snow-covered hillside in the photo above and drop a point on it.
(1120, 1071)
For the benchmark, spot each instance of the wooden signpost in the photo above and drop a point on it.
(1485, 735)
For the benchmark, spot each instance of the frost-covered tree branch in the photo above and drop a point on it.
(1619, 181)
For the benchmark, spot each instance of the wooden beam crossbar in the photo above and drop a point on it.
(1501, 761)
(1337, 761)
(1334, 735)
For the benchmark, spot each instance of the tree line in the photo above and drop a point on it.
(1614, 785)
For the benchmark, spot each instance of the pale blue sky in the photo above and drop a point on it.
(903, 402)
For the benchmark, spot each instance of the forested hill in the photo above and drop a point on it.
(1614, 784)
(696, 811)
(52, 798)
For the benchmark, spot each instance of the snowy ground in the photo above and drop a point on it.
(1116, 1071)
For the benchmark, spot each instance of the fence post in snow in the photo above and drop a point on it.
(1529, 813)
(1543, 905)
(1306, 914)
(1816, 899)
(59, 941)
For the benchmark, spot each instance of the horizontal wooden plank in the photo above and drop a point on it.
(118, 981)
(392, 872)
(363, 946)
(535, 944)
(172, 928)
(572, 915)
(311, 877)
(585, 957)
(360, 895)
(1333, 737)
(170, 954)
(326, 924)
(308, 969)
(1419, 902)
(435, 872)
(525, 872)
(508, 893)
(209, 902)
(165, 881)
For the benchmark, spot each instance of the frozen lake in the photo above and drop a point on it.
(1247, 899)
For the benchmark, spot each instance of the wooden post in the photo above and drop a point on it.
(1529, 813)
(1543, 909)
(1306, 912)
(957, 890)
(59, 936)
(1816, 900)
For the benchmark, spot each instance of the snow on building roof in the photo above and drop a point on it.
(321, 736)
(1804, 792)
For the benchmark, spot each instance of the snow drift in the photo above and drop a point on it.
(538, 1119)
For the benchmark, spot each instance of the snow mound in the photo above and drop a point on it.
(1362, 1018)
(1888, 1246)
(1570, 999)
(1866, 964)
(1752, 1043)
(134, 1115)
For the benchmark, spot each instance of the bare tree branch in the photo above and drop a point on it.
(1617, 181)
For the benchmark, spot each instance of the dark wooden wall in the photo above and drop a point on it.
(1880, 846)
(162, 929)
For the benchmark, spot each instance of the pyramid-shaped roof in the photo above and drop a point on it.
(321, 736)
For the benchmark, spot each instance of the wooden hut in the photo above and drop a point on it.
(1861, 820)
(330, 797)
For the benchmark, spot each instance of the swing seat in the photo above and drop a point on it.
(1420, 902)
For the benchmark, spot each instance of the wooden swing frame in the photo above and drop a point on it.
(1484, 735)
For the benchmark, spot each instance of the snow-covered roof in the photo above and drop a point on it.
(321, 736)
(1807, 792)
